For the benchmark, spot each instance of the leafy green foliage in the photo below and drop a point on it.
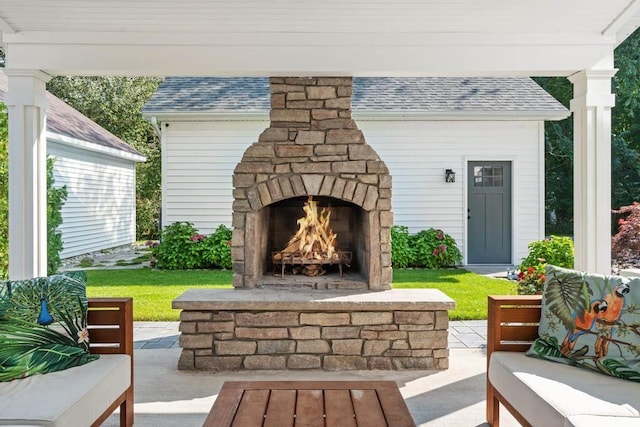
(216, 248)
(402, 253)
(428, 248)
(557, 250)
(115, 103)
(177, 250)
(625, 140)
(558, 161)
(56, 197)
(182, 247)
(435, 249)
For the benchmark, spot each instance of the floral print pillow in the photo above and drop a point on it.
(591, 321)
(43, 325)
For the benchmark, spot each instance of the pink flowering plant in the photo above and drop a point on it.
(431, 248)
(183, 247)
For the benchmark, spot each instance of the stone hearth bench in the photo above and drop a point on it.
(225, 329)
(84, 395)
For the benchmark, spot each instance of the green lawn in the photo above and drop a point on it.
(153, 290)
(468, 290)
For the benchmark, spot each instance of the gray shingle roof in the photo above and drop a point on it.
(395, 94)
(65, 120)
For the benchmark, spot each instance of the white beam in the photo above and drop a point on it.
(357, 54)
(26, 103)
(623, 18)
(591, 107)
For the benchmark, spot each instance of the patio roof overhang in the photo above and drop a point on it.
(310, 38)
(293, 37)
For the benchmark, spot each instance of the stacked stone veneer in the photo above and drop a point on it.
(312, 147)
(386, 336)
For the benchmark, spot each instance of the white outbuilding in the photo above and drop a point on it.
(466, 155)
(98, 170)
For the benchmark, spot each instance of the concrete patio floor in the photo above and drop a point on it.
(165, 396)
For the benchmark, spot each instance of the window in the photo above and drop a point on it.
(487, 176)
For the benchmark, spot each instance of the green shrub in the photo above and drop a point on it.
(147, 218)
(558, 250)
(434, 249)
(179, 247)
(56, 197)
(183, 247)
(217, 248)
(401, 251)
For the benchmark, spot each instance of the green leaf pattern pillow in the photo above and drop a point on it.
(591, 321)
(43, 325)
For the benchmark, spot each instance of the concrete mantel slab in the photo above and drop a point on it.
(326, 300)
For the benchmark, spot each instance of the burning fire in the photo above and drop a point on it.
(314, 238)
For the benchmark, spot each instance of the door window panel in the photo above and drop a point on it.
(488, 176)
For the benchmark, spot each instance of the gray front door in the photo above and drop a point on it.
(489, 213)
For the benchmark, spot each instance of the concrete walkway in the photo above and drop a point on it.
(166, 397)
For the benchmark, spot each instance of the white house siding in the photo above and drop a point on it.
(100, 209)
(418, 152)
(199, 158)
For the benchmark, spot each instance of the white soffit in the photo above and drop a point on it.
(310, 37)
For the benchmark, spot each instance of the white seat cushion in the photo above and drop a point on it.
(73, 397)
(601, 421)
(547, 393)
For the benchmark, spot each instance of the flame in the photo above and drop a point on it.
(314, 238)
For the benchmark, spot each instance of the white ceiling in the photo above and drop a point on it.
(314, 37)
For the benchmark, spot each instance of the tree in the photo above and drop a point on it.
(56, 196)
(115, 103)
(625, 141)
(558, 161)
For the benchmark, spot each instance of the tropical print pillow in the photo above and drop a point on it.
(591, 321)
(43, 325)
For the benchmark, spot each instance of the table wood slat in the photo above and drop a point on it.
(339, 409)
(282, 405)
(395, 408)
(367, 408)
(225, 407)
(251, 410)
(310, 409)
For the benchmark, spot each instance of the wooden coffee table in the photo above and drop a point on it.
(309, 403)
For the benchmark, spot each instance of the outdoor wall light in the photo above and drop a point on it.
(449, 175)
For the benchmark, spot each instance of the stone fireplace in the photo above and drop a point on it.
(312, 165)
(312, 148)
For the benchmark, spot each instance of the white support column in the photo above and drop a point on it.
(27, 104)
(591, 108)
